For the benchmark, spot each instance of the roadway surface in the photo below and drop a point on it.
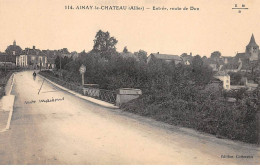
(75, 131)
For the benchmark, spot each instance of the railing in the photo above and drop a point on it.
(68, 85)
(101, 94)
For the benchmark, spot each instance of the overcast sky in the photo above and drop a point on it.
(47, 25)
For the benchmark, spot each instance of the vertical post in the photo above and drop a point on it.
(83, 79)
(5, 63)
(82, 70)
(40, 64)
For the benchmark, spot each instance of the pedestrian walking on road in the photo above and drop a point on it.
(34, 75)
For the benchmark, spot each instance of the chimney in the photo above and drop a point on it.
(34, 47)
(14, 43)
(158, 52)
(190, 53)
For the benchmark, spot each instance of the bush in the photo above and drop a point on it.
(234, 121)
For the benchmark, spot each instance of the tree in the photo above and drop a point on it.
(204, 57)
(59, 61)
(184, 55)
(253, 65)
(104, 44)
(197, 62)
(13, 50)
(201, 73)
(215, 55)
(235, 78)
(142, 55)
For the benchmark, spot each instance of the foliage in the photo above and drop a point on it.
(4, 77)
(104, 44)
(216, 116)
(215, 55)
(201, 73)
(142, 56)
(62, 61)
(236, 78)
(13, 49)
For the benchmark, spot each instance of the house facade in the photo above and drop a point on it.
(32, 58)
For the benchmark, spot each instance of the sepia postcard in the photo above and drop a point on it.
(129, 82)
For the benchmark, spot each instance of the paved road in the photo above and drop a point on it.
(74, 131)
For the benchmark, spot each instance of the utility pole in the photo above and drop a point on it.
(60, 62)
(5, 63)
(40, 64)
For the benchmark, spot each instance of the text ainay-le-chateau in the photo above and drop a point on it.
(89, 7)
(122, 8)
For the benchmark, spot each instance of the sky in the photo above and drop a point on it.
(215, 27)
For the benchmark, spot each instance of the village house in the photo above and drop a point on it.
(232, 64)
(186, 59)
(240, 62)
(64, 53)
(32, 58)
(165, 57)
(225, 78)
(216, 65)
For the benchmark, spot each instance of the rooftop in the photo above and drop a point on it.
(166, 56)
(252, 42)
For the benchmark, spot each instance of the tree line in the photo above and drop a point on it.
(173, 93)
(107, 68)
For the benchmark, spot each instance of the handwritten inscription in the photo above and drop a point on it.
(52, 100)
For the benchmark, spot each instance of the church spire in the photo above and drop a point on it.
(252, 41)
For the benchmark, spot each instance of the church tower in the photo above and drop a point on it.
(252, 49)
